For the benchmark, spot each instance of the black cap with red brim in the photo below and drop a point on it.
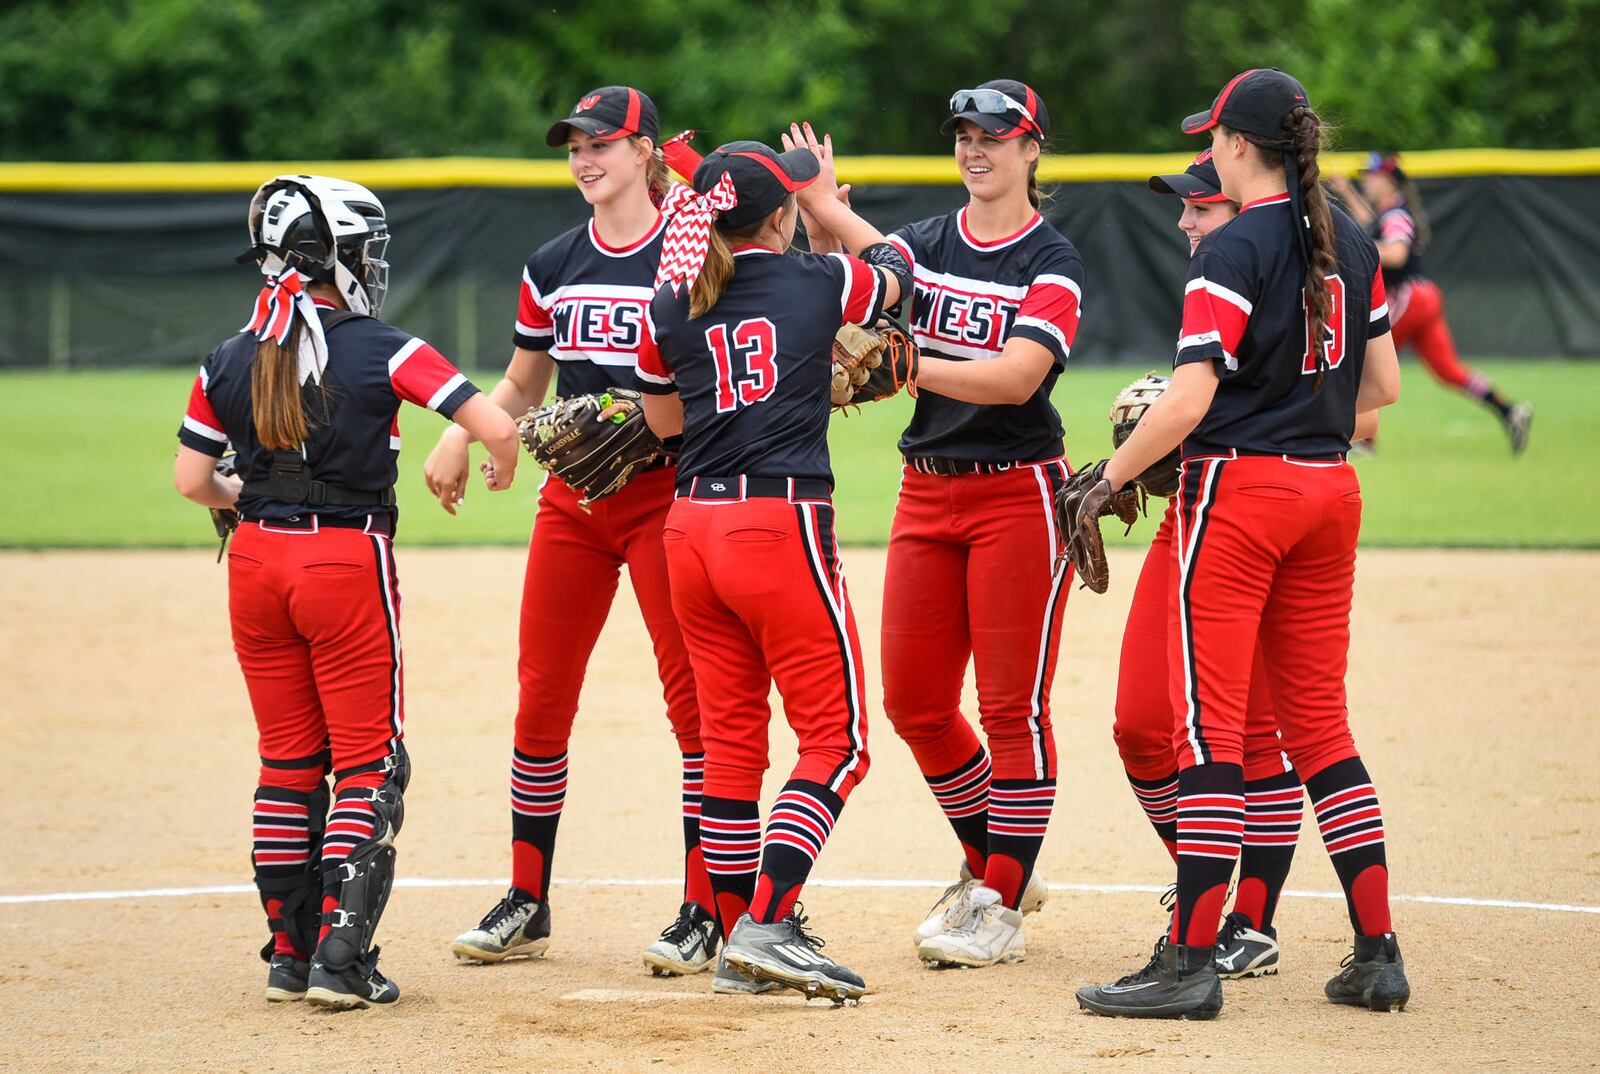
(762, 177)
(1198, 182)
(999, 118)
(1253, 102)
(608, 113)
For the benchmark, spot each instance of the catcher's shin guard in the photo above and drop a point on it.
(293, 902)
(362, 881)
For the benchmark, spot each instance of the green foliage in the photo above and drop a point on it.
(100, 80)
(1439, 478)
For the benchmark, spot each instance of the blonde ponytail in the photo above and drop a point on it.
(713, 277)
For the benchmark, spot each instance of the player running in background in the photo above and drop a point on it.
(581, 318)
(1285, 339)
(308, 395)
(1390, 207)
(972, 572)
(738, 358)
(1247, 946)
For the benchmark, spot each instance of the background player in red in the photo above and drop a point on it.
(1390, 207)
(1285, 339)
(972, 571)
(308, 395)
(1247, 946)
(740, 360)
(581, 316)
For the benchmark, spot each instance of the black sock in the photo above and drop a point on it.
(798, 828)
(1210, 831)
(1019, 813)
(730, 839)
(538, 793)
(963, 795)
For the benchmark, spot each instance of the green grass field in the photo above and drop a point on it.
(100, 444)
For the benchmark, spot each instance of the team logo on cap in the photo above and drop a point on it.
(1205, 155)
(588, 103)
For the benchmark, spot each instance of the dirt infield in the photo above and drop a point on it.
(127, 753)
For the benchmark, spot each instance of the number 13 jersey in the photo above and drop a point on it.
(754, 372)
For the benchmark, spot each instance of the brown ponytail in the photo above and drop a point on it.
(279, 412)
(1304, 129)
(1037, 197)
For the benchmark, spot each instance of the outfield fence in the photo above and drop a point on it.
(105, 265)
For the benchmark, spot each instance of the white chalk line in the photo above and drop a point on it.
(857, 883)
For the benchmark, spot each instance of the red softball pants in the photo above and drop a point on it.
(972, 573)
(1266, 553)
(574, 559)
(1145, 718)
(316, 626)
(1421, 324)
(760, 596)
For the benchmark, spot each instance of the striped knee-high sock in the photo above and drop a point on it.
(538, 792)
(1272, 811)
(1019, 813)
(797, 829)
(281, 852)
(1352, 830)
(1210, 831)
(696, 881)
(350, 824)
(1159, 800)
(963, 795)
(730, 839)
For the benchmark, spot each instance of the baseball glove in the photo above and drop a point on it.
(870, 364)
(595, 455)
(225, 519)
(1161, 477)
(1083, 501)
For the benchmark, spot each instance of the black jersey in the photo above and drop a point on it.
(1244, 309)
(584, 302)
(354, 438)
(755, 372)
(971, 297)
(1398, 225)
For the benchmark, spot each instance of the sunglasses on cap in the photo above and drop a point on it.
(990, 102)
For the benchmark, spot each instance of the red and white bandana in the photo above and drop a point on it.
(683, 249)
(283, 296)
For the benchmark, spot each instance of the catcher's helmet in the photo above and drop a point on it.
(332, 230)
(1161, 477)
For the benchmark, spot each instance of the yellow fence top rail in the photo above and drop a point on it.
(444, 172)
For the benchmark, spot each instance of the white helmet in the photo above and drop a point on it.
(332, 230)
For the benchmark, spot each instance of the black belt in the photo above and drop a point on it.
(740, 487)
(1242, 453)
(374, 523)
(944, 467)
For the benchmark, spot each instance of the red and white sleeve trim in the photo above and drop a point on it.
(200, 418)
(421, 375)
(861, 299)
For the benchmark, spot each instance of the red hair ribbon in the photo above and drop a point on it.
(683, 249)
(273, 317)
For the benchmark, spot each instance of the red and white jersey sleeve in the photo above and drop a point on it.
(1217, 303)
(1051, 306)
(1396, 225)
(421, 375)
(536, 328)
(1378, 318)
(201, 428)
(861, 290)
(652, 374)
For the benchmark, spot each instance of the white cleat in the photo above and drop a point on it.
(689, 944)
(987, 933)
(952, 904)
(517, 927)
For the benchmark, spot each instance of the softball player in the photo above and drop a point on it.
(738, 358)
(307, 393)
(1391, 207)
(1285, 339)
(1247, 946)
(581, 316)
(972, 570)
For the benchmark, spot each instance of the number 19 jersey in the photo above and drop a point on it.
(754, 371)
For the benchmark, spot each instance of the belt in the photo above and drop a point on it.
(740, 487)
(945, 467)
(309, 523)
(1326, 458)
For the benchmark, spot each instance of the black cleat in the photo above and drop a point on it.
(347, 987)
(1373, 976)
(1245, 951)
(1178, 982)
(785, 953)
(286, 979)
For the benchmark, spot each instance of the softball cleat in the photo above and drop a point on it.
(286, 979)
(784, 953)
(986, 934)
(1373, 976)
(1243, 951)
(688, 945)
(517, 927)
(952, 904)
